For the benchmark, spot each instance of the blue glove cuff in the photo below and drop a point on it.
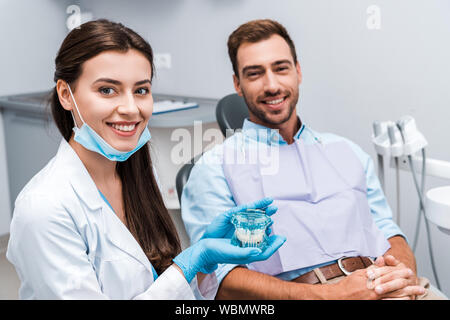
(184, 261)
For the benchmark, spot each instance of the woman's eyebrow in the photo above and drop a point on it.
(142, 82)
(117, 82)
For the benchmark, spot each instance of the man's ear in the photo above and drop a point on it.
(237, 85)
(64, 95)
(299, 72)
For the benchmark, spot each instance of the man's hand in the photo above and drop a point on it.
(391, 279)
(354, 287)
(387, 279)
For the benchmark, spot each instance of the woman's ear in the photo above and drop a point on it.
(64, 95)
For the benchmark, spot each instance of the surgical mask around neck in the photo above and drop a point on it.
(88, 138)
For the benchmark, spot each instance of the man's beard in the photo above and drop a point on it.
(262, 115)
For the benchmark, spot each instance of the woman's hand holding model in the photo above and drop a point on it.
(215, 246)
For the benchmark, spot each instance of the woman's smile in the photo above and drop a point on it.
(124, 128)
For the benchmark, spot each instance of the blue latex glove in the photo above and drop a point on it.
(205, 255)
(215, 247)
(221, 226)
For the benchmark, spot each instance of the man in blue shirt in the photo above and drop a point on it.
(330, 203)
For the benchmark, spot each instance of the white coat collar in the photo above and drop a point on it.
(79, 177)
(87, 191)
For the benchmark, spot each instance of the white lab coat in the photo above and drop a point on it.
(67, 243)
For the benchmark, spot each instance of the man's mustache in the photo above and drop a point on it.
(274, 94)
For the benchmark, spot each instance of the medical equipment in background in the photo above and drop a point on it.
(395, 140)
(400, 141)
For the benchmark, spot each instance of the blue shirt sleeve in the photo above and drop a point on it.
(205, 195)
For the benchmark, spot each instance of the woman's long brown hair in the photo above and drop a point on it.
(146, 215)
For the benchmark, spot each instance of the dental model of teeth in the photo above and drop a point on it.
(250, 228)
(250, 238)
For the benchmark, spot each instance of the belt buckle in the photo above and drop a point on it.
(341, 266)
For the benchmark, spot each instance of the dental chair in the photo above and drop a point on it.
(231, 111)
(182, 178)
(183, 175)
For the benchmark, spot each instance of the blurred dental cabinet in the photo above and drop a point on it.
(5, 210)
(29, 139)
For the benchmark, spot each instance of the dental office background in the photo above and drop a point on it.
(361, 61)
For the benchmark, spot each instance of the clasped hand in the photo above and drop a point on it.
(391, 279)
(387, 279)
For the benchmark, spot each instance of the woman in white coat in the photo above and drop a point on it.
(92, 223)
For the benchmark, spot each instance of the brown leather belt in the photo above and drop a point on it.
(344, 266)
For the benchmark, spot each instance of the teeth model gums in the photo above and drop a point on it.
(250, 228)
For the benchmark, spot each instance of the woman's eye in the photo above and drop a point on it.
(142, 91)
(106, 91)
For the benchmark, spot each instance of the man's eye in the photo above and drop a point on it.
(142, 91)
(252, 74)
(106, 91)
(282, 68)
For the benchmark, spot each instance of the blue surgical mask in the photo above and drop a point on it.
(91, 140)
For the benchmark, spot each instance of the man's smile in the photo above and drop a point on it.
(274, 103)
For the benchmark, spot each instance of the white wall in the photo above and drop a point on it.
(351, 75)
(31, 32)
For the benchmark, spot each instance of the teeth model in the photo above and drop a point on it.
(250, 228)
(250, 238)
